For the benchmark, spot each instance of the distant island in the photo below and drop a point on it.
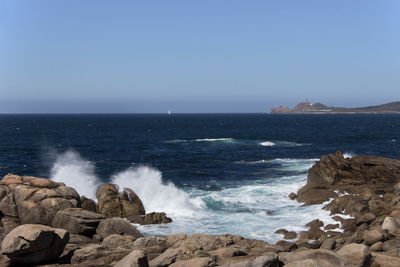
(318, 108)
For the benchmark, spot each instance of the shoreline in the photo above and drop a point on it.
(362, 194)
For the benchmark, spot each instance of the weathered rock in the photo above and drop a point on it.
(391, 244)
(136, 258)
(354, 254)
(88, 204)
(222, 255)
(328, 244)
(96, 254)
(195, 262)
(303, 263)
(391, 225)
(314, 194)
(79, 239)
(112, 203)
(119, 226)
(270, 260)
(167, 258)
(32, 244)
(117, 240)
(34, 200)
(292, 196)
(321, 257)
(151, 218)
(378, 246)
(77, 221)
(382, 260)
(365, 218)
(373, 236)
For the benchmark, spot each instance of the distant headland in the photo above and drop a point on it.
(318, 108)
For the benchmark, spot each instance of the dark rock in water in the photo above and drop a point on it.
(78, 221)
(151, 218)
(33, 244)
(292, 196)
(112, 203)
(34, 200)
(88, 204)
(314, 194)
(116, 226)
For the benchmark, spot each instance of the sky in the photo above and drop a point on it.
(71, 56)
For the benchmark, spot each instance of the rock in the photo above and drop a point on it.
(77, 221)
(270, 260)
(166, 258)
(116, 240)
(383, 260)
(365, 218)
(34, 200)
(354, 254)
(287, 246)
(88, 204)
(33, 244)
(303, 263)
(391, 225)
(125, 204)
(290, 235)
(96, 254)
(391, 244)
(321, 257)
(156, 218)
(292, 196)
(314, 194)
(378, 246)
(328, 244)
(222, 255)
(195, 262)
(136, 258)
(116, 226)
(373, 236)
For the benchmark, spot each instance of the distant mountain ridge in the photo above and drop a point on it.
(318, 108)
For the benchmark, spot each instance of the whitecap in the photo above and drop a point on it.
(227, 139)
(267, 143)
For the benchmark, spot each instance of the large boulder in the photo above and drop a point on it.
(321, 257)
(152, 218)
(77, 221)
(116, 225)
(125, 204)
(355, 255)
(33, 244)
(136, 258)
(34, 200)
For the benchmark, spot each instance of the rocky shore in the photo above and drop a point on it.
(44, 223)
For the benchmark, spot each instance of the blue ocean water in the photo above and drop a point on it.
(212, 173)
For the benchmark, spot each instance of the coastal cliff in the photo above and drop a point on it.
(318, 108)
(44, 223)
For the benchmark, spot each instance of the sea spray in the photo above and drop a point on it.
(71, 169)
(155, 195)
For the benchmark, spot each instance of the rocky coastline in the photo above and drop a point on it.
(44, 223)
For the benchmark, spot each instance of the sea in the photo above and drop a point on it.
(211, 173)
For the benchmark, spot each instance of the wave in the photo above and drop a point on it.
(70, 168)
(267, 143)
(348, 155)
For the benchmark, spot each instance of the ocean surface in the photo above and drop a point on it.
(212, 173)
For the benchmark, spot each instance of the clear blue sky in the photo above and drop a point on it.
(196, 56)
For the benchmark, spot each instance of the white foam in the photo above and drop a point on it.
(147, 183)
(71, 169)
(267, 143)
(348, 155)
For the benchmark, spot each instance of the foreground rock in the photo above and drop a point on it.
(33, 244)
(77, 221)
(119, 226)
(27, 199)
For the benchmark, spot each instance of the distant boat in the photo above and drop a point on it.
(169, 112)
